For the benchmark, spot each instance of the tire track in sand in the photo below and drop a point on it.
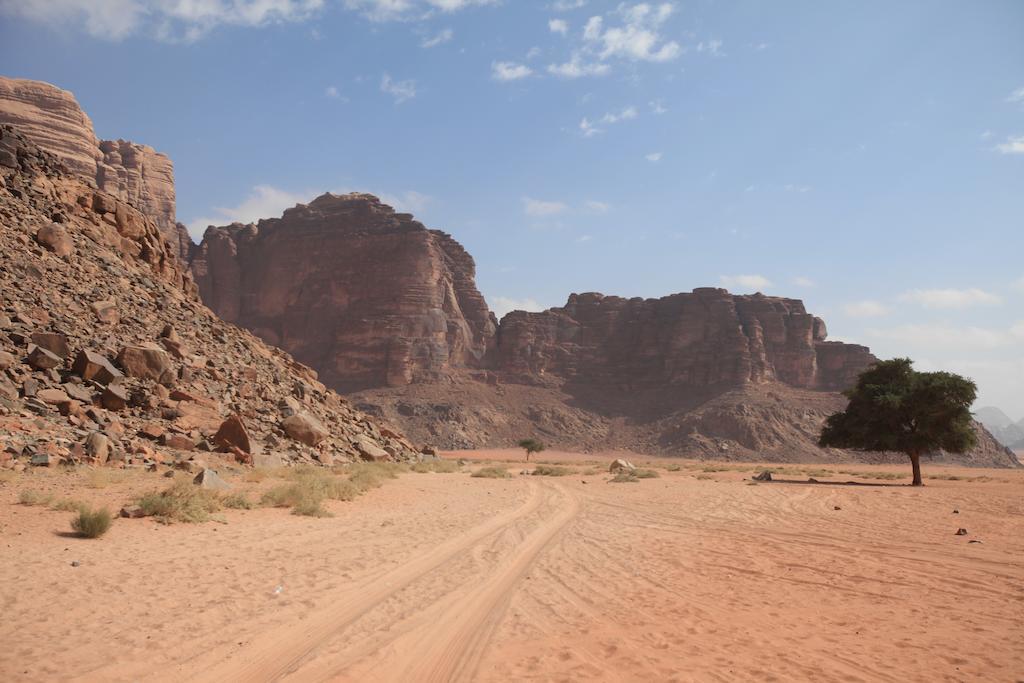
(282, 650)
(455, 642)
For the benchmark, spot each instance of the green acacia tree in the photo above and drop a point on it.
(531, 446)
(895, 408)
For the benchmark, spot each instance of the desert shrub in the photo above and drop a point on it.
(68, 505)
(591, 471)
(238, 501)
(255, 476)
(551, 471)
(646, 474)
(32, 497)
(439, 466)
(91, 523)
(491, 473)
(624, 478)
(674, 468)
(182, 501)
(714, 468)
(704, 477)
(311, 507)
(370, 475)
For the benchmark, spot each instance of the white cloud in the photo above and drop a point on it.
(266, 201)
(590, 128)
(503, 304)
(332, 92)
(584, 238)
(658, 108)
(755, 282)
(866, 309)
(653, 157)
(180, 20)
(1017, 96)
(566, 5)
(408, 10)
(558, 26)
(538, 207)
(1013, 145)
(595, 206)
(712, 47)
(402, 91)
(576, 67)
(950, 298)
(509, 71)
(801, 281)
(636, 38)
(441, 38)
(798, 188)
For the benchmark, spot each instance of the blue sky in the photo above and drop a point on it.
(867, 157)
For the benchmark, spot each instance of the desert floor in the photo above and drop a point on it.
(696, 575)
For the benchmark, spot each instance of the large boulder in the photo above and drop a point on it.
(92, 366)
(146, 361)
(54, 342)
(620, 465)
(370, 451)
(41, 359)
(209, 479)
(56, 239)
(305, 428)
(232, 435)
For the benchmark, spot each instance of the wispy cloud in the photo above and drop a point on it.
(558, 26)
(504, 304)
(746, 282)
(402, 91)
(801, 281)
(1017, 96)
(445, 36)
(634, 35)
(408, 10)
(578, 67)
(950, 298)
(540, 207)
(866, 309)
(1013, 145)
(590, 128)
(653, 157)
(941, 336)
(594, 206)
(509, 71)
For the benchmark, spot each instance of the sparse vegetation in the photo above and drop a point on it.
(646, 474)
(551, 471)
(68, 505)
(91, 523)
(182, 501)
(238, 501)
(624, 477)
(674, 468)
(100, 478)
(438, 466)
(491, 473)
(531, 446)
(32, 497)
(591, 471)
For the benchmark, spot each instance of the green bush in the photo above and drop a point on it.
(91, 523)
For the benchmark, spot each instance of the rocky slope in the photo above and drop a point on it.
(137, 174)
(108, 356)
(386, 308)
(1003, 428)
(368, 296)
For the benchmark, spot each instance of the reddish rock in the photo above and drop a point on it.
(41, 359)
(106, 312)
(370, 451)
(305, 429)
(179, 442)
(92, 366)
(114, 397)
(56, 239)
(232, 434)
(146, 362)
(52, 396)
(54, 342)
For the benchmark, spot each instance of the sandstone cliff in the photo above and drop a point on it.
(368, 296)
(136, 174)
(108, 356)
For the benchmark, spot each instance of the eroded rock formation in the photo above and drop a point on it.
(135, 173)
(368, 296)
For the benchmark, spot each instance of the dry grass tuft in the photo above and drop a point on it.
(69, 505)
(91, 523)
(103, 477)
(31, 497)
(438, 466)
(624, 478)
(238, 501)
(551, 471)
(182, 501)
(646, 474)
(491, 473)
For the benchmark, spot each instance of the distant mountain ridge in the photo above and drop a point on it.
(1002, 426)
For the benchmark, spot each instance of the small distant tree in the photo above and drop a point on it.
(895, 408)
(531, 446)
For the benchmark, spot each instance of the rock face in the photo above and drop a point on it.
(368, 296)
(386, 308)
(162, 380)
(136, 174)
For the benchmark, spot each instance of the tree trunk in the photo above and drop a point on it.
(915, 462)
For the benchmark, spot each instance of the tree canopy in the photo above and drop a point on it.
(895, 408)
(531, 446)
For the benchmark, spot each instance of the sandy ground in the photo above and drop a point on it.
(694, 576)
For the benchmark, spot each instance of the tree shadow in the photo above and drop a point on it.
(815, 482)
(68, 534)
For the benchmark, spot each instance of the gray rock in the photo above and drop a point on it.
(209, 479)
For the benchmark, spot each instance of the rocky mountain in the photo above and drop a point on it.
(1003, 428)
(386, 308)
(368, 296)
(107, 355)
(136, 174)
